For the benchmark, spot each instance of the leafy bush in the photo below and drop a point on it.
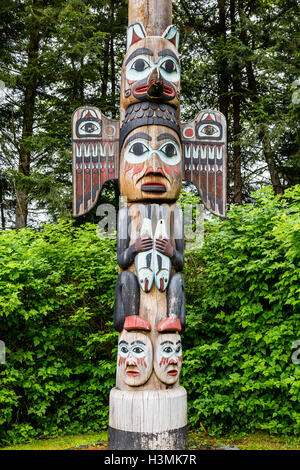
(56, 299)
(243, 308)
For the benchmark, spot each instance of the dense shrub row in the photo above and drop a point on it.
(56, 298)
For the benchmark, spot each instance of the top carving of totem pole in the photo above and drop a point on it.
(150, 152)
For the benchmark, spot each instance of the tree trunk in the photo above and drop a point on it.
(2, 204)
(262, 134)
(223, 81)
(112, 62)
(236, 104)
(28, 118)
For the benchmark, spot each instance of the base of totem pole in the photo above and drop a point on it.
(148, 419)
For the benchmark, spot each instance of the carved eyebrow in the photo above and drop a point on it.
(138, 342)
(167, 136)
(139, 52)
(168, 52)
(178, 342)
(139, 135)
(123, 342)
(166, 342)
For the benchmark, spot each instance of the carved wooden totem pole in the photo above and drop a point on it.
(150, 152)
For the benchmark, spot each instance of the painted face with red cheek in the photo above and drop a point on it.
(168, 358)
(135, 358)
(150, 164)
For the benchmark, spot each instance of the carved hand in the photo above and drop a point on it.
(143, 244)
(164, 246)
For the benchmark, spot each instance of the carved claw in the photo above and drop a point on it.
(134, 322)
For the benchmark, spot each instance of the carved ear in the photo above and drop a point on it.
(172, 34)
(135, 33)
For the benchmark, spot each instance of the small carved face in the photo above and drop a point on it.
(168, 358)
(150, 164)
(135, 358)
(151, 68)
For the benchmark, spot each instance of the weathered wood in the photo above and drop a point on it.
(150, 71)
(147, 173)
(153, 419)
(155, 15)
(95, 149)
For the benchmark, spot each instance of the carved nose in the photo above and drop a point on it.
(130, 361)
(155, 84)
(155, 163)
(172, 361)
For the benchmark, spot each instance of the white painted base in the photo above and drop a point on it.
(152, 419)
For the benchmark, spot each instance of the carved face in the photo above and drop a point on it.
(135, 358)
(168, 357)
(150, 164)
(151, 69)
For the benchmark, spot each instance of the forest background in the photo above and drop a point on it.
(56, 280)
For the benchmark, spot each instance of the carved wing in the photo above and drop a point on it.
(204, 144)
(95, 148)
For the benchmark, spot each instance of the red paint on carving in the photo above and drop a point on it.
(164, 360)
(176, 169)
(121, 361)
(219, 189)
(167, 169)
(189, 132)
(141, 362)
(138, 168)
(169, 91)
(128, 167)
(134, 322)
(141, 90)
(135, 38)
(169, 324)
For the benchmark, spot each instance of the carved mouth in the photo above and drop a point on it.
(168, 90)
(132, 373)
(145, 89)
(141, 90)
(154, 186)
(172, 372)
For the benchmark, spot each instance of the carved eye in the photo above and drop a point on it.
(140, 65)
(169, 69)
(167, 350)
(89, 128)
(124, 350)
(169, 66)
(138, 149)
(169, 150)
(209, 130)
(178, 349)
(137, 350)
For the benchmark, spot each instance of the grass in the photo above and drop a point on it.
(257, 441)
(60, 443)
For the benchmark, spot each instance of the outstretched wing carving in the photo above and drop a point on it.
(95, 148)
(204, 143)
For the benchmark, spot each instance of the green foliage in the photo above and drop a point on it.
(243, 317)
(56, 298)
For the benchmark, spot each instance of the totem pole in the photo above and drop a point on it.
(150, 152)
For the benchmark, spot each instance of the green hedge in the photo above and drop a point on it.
(56, 300)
